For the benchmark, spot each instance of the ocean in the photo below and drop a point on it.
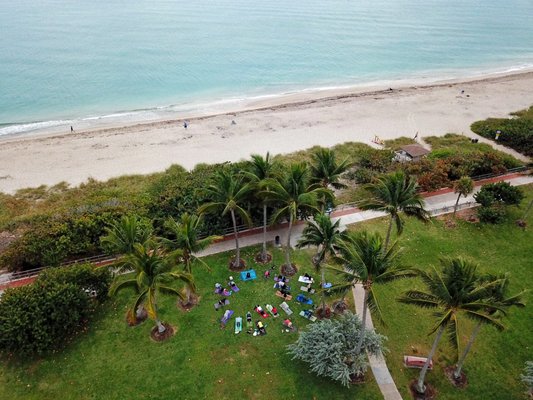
(69, 62)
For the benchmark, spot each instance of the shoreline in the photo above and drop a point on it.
(279, 124)
(221, 106)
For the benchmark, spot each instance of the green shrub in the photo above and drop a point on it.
(37, 318)
(329, 347)
(90, 280)
(516, 133)
(494, 214)
(50, 240)
(362, 175)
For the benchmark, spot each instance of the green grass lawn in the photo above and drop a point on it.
(202, 361)
(497, 358)
(113, 361)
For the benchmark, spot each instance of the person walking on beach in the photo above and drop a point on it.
(185, 124)
(71, 129)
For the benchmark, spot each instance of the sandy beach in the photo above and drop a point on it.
(278, 124)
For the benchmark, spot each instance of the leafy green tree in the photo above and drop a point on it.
(452, 292)
(463, 187)
(497, 295)
(395, 193)
(186, 242)
(326, 236)
(228, 192)
(296, 195)
(493, 197)
(364, 261)
(260, 170)
(328, 347)
(153, 274)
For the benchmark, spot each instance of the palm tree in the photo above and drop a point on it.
(326, 236)
(463, 187)
(393, 193)
(295, 194)
(260, 170)
(227, 193)
(186, 242)
(499, 297)
(121, 236)
(152, 276)
(365, 261)
(326, 171)
(454, 291)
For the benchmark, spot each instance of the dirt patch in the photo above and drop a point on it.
(259, 258)
(188, 305)
(460, 382)
(339, 307)
(133, 319)
(289, 270)
(160, 337)
(322, 313)
(237, 266)
(429, 394)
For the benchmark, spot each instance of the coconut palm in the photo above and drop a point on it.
(497, 295)
(153, 274)
(393, 193)
(326, 236)
(121, 236)
(227, 193)
(463, 187)
(326, 170)
(364, 261)
(454, 291)
(260, 170)
(186, 243)
(296, 195)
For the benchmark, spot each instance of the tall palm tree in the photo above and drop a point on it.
(452, 292)
(393, 193)
(326, 236)
(153, 274)
(463, 187)
(499, 297)
(296, 195)
(326, 170)
(260, 170)
(364, 261)
(186, 242)
(228, 192)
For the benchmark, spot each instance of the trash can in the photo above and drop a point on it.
(277, 241)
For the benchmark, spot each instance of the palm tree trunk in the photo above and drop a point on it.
(323, 280)
(363, 325)
(237, 248)
(461, 361)
(264, 253)
(387, 239)
(456, 203)
(288, 250)
(420, 387)
(160, 327)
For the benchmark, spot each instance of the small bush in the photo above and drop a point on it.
(90, 280)
(37, 318)
(494, 214)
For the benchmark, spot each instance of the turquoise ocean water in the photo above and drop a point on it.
(64, 60)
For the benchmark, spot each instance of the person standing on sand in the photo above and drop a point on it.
(185, 124)
(71, 129)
